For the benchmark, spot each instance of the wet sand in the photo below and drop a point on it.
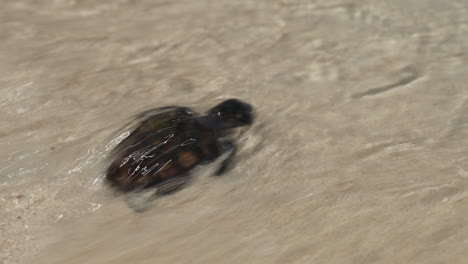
(358, 154)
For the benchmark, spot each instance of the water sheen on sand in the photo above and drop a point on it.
(358, 155)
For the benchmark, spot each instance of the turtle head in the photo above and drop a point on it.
(232, 113)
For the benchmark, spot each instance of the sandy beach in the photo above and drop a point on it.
(358, 154)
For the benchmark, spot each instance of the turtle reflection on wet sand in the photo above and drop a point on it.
(170, 141)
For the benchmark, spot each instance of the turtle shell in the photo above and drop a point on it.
(162, 147)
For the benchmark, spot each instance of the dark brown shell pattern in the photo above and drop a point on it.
(162, 147)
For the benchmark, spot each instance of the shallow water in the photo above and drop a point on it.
(358, 154)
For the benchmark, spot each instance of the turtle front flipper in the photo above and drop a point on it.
(227, 146)
(172, 185)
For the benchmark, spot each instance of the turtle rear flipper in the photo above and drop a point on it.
(162, 112)
(141, 200)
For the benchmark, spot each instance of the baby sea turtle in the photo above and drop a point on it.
(170, 141)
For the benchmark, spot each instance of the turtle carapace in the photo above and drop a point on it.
(170, 141)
